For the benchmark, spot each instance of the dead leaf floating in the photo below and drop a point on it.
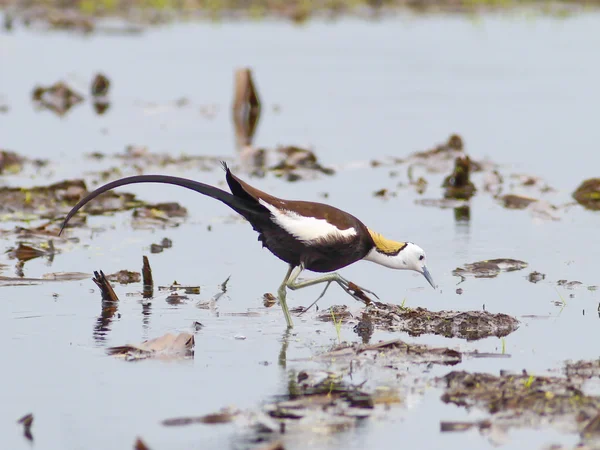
(167, 346)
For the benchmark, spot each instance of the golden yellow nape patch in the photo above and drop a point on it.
(385, 245)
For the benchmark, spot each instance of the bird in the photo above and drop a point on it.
(306, 235)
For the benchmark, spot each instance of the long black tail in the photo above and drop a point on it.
(239, 205)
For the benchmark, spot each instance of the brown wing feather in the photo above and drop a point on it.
(341, 219)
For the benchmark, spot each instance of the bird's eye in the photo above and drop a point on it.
(421, 258)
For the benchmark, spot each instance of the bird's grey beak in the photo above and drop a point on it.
(428, 277)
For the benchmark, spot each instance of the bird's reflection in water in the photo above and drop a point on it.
(285, 342)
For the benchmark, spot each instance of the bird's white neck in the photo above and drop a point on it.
(397, 261)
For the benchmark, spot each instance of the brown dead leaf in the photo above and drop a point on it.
(168, 345)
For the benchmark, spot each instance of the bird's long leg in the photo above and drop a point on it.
(318, 298)
(329, 278)
(281, 293)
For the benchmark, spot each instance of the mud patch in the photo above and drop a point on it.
(469, 325)
(522, 400)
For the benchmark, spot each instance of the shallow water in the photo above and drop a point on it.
(521, 92)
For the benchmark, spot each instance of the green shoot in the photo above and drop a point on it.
(529, 381)
(564, 303)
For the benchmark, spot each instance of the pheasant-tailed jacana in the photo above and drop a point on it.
(306, 235)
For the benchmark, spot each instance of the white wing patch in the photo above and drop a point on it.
(306, 229)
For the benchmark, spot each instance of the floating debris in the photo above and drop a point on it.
(167, 346)
(155, 248)
(588, 194)
(24, 252)
(441, 158)
(582, 370)
(49, 202)
(335, 313)
(535, 277)
(160, 213)
(384, 193)
(489, 268)
(452, 149)
(224, 416)
(530, 181)
(125, 277)
(58, 98)
(27, 422)
(100, 85)
(469, 325)
(136, 157)
(518, 400)
(175, 286)
(99, 90)
(464, 426)
(298, 161)
(512, 201)
(46, 278)
(569, 284)
(458, 184)
(442, 203)
(10, 162)
(65, 276)
(158, 248)
(269, 299)
(176, 297)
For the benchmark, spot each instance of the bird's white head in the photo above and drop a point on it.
(399, 255)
